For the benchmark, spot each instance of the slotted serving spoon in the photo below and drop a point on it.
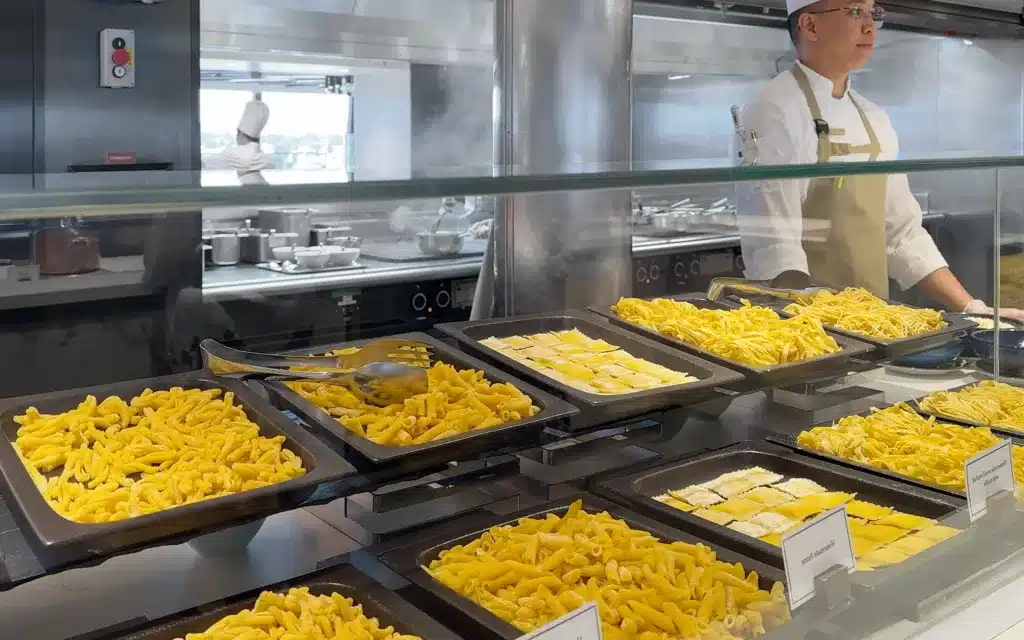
(382, 372)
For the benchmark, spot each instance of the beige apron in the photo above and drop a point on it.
(853, 253)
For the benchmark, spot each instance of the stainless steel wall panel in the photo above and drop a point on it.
(84, 122)
(568, 111)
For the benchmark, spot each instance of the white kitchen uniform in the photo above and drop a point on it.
(773, 237)
(247, 160)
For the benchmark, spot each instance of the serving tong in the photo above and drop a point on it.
(732, 287)
(382, 372)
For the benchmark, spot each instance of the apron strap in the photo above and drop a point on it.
(826, 148)
(874, 147)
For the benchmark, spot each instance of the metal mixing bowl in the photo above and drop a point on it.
(440, 243)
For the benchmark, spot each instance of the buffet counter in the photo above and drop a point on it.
(550, 418)
(120, 594)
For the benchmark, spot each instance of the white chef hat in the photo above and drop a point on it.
(254, 118)
(792, 6)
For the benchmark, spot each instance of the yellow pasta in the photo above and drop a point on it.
(881, 535)
(990, 403)
(300, 615)
(539, 569)
(859, 311)
(899, 439)
(455, 402)
(162, 449)
(593, 366)
(751, 335)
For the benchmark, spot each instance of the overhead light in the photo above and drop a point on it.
(682, 77)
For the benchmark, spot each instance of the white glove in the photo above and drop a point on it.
(979, 307)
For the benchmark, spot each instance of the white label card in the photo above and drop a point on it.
(582, 624)
(987, 474)
(813, 549)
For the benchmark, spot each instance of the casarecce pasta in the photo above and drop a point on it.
(539, 569)
(161, 449)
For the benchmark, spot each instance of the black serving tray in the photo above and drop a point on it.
(377, 601)
(408, 560)
(69, 539)
(789, 441)
(780, 375)
(552, 412)
(637, 489)
(1007, 431)
(885, 349)
(596, 409)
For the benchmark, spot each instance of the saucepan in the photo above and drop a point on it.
(440, 243)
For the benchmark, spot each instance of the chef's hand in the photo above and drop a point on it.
(482, 229)
(979, 307)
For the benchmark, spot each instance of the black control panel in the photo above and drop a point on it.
(691, 272)
(650, 276)
(295, 321)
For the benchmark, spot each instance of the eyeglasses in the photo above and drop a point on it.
(857, 12)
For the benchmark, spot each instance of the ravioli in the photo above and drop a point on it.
(774, 522)
(739, 508)
(734, 487)
(767, 496)
(679, 504)
(515, 342)
(913, 544)
(748, 529)
(496, 343)
(718, 517)
(812, 505)
(863, 546)
(884, 556)
(881, 533)
(697, 496)
(723, 479)
(800, 487)
(866, 510)
(906, 521)
(761, 477)
(938, 533)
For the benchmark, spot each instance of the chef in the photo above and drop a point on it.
(246, 158)
(850, 231)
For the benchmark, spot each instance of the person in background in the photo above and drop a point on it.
(247, 159)
(851, 231)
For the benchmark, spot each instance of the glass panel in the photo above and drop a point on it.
(156, 199)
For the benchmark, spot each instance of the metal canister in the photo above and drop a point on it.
(225, 249)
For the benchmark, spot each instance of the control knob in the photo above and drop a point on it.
(419, 301)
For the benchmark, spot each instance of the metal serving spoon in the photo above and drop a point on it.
(382, 372)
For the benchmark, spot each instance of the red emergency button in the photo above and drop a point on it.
(121, 57)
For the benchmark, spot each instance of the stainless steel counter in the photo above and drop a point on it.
(226, 283)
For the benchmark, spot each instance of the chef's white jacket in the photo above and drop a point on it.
(772, 230)
(246, 159)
